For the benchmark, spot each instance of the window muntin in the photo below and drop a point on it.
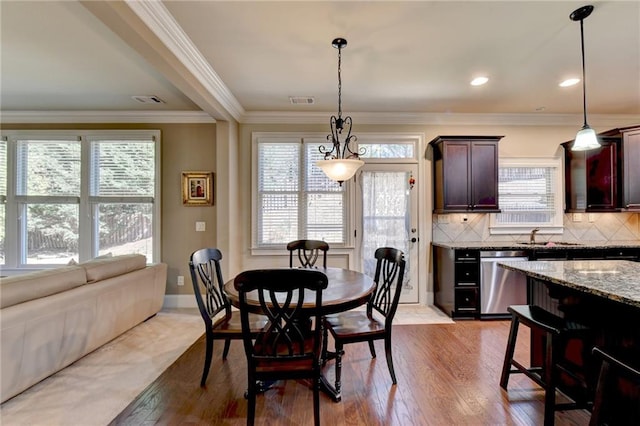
(3, 198)
(530, 194)
(294, 199)
(80, 196)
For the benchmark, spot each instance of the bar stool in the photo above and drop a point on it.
(609, 407)
(557, 332)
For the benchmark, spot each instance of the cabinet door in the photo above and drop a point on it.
(484, 175)
(456, 157)
(602, 179)
(631, 172)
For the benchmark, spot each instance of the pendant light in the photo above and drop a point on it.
(340, 162)
(586, 138)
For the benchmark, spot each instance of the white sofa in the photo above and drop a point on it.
(49, 319)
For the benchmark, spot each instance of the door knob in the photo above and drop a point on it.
(414, 239)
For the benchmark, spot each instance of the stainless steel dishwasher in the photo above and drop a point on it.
(500, 287)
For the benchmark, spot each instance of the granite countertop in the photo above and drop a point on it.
(617, 280)
(513, 245)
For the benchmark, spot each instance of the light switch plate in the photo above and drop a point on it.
(200, 226)
(577, 217)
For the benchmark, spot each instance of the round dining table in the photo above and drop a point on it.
(346, 289)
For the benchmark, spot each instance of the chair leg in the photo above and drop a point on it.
(339, 353)
(372, 349)
(387, 350)
(251, 400)
(316, 400)
(549, 380)
(207, 358)
(508, 356)
(225, 352)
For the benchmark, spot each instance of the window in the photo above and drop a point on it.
(76, 195)
(530, 193)
(293, 199)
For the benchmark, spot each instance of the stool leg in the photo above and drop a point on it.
(508, 356)
(549, 380)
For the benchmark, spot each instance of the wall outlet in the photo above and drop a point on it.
(201, 226)
(464, 218)
(592, 217)
(180, 280)
(577, 217)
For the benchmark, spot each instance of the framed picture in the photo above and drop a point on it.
(197, 188)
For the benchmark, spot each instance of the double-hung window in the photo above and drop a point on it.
(293, 199)
(530, 193)
(78, 194)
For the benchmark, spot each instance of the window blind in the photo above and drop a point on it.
(526, 195)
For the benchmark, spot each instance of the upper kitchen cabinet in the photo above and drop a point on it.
(604, 179)
(465, 174)
(631, 168)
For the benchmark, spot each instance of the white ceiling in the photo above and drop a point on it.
(241, 59)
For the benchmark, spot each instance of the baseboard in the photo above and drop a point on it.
(179, 301)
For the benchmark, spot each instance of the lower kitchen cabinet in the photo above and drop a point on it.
(457, 281)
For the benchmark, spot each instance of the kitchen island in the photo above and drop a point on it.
(602, 294)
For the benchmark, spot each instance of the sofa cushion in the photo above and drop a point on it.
(100, 269)
(34, 285)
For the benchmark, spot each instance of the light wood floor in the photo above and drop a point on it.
(447, 374)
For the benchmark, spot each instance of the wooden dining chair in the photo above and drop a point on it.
(308, 252)
(289, 347)
(611, 406)
(220, 322)
(365, 326)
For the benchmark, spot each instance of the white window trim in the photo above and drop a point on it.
(557, 227)
(369, 138)
(12, 245)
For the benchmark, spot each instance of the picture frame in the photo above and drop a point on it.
(197, 188)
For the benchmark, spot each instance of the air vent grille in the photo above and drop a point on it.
(302, 100)
(152, 99)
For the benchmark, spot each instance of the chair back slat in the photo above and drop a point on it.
(206, 277)
(307, 252)
(389, 276)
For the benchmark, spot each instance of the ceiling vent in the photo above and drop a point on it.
(153, 99)
(302, 100)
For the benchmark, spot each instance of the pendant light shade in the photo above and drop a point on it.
(340, 162)
(586, 138)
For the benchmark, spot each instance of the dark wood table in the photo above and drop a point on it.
(346, 289)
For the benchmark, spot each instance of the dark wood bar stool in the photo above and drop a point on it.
(557, 333)
(617, 399)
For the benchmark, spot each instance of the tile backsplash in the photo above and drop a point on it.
(594, 227)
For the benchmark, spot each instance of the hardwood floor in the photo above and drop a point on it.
(447, 374)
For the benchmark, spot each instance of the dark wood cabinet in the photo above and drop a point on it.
(592, 178)
(465, 173)
(607, 178)
(631, 168)
(457, 281)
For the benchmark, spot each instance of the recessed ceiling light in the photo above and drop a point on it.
(479, 81)
(569, 82)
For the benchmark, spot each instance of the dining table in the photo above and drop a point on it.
(346, 289)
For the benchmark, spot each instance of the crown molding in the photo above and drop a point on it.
(434, 119)
(463, 119)
(156, 16)
(105, 117)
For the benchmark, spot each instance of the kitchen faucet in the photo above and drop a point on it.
(532, 237)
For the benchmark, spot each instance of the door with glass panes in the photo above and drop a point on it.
(387, 216)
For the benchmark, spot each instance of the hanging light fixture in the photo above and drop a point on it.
(586, 138)
(340, 162)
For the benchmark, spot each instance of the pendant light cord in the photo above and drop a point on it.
(584, 83)
(340, 82)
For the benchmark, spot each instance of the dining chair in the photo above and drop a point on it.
(220, 321)
(289, 347)
(374, 323)
(610, 406)
(308, 252)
